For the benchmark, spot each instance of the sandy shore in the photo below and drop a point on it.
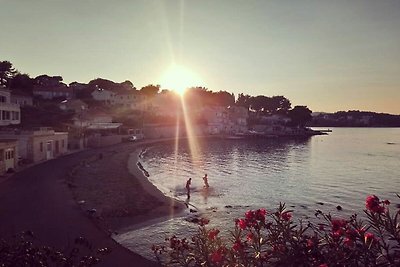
(121, 195)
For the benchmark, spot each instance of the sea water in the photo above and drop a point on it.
(319, 172)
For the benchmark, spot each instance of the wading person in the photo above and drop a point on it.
(188, 182)
(205, 179)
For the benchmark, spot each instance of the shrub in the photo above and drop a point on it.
(22, 250)
(264, 238)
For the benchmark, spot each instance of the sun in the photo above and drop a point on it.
(179, 78)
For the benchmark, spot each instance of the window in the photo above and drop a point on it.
(41, 147)
(3, 99)
(6, 115)
(62, 143)
(1, 154)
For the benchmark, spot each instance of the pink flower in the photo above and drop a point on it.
(338, 224)
(237, 245)
(203, 221)
(286, 216)
(249, 215)
(250, 237)
(369, 237)
(216, 257)
(323, 265)
(213, 233)
(351, 234)
(260, 214)
(348, 242)
(386, 202)
(242, 223)
(372, 204)
(337, 234)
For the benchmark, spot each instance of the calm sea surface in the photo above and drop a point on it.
(341, 168)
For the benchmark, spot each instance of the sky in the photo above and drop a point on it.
(329, 55)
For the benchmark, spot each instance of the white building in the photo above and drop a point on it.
(10, 113)
(238, 116)
(129, 99)
(38, 145)
(217, 119)
(50, 92)
(76, 105)
(8, 155)
(21, 98)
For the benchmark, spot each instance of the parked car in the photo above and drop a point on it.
(132, 138)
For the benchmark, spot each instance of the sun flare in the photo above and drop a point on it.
(179, 78)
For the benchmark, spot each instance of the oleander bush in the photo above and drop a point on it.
(264, 238)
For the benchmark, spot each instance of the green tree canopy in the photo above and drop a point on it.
(243, 100)
(46, 80)
(22, 82)
(7, 72)
(150, 90)
(300, 115)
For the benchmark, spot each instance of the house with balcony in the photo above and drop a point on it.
(122, 98)
(75, 105)
(21, 98)
(226, 120)
(51, 92)
(217, 118)
(10, 113)
(238, 117)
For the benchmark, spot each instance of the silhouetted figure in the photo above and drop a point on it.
(205, 179)
(188, 182)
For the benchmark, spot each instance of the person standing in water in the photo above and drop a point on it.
(188, 182)
(205, 179)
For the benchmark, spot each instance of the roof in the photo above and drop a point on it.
(8, 140)
(120, 91)
(52, 89)
(19, 93)
(104, 126)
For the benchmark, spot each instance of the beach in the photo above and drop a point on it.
(112, 187)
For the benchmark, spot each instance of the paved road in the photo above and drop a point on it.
(38, 199)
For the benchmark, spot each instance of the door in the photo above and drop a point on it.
(49, 150)
(9, 158)
(57, 148)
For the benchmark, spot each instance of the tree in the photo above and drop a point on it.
(22, 82)
(243, 100)
(127, 85)
(150, 90)
(103, 84)
(279, 105)
(300, 115)
(46, 80)
(223, 98)
(7, 72)
(259, 103)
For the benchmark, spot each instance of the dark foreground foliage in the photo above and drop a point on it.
(264, 238)
(22, 250)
